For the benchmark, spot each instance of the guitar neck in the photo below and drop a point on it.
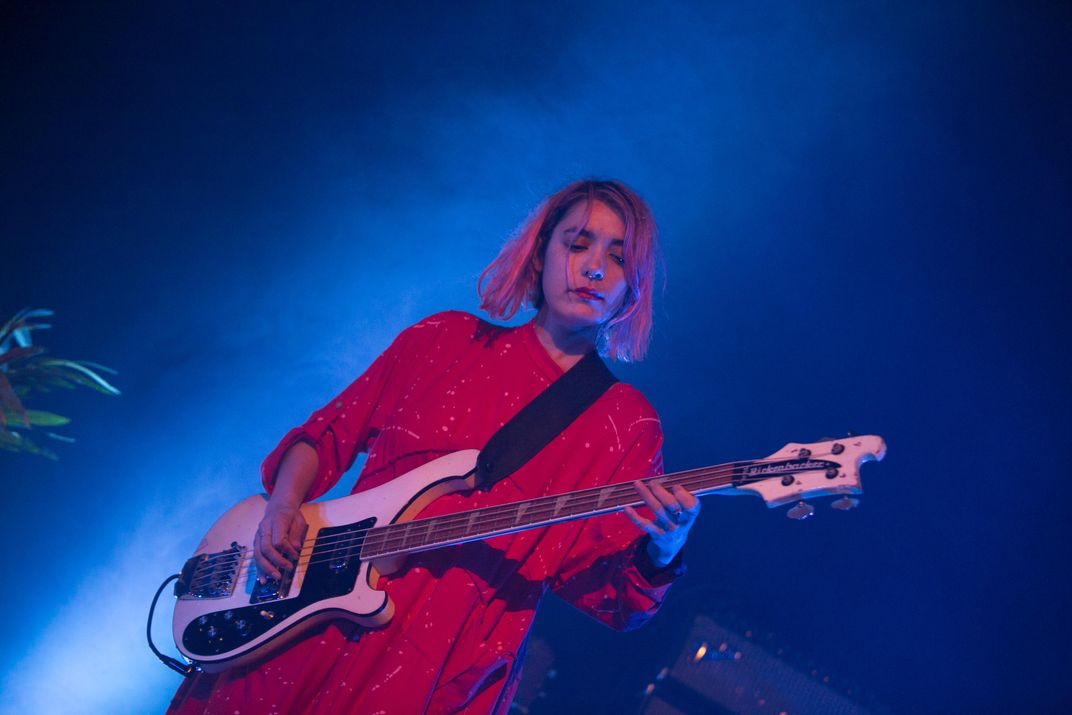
(452, 529)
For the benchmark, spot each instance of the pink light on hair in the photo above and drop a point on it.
(511, 281)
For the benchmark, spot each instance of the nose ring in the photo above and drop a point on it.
(592, 275)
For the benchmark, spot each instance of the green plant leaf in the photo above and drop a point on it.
(18, 322)
(14, 442)
(37, 378)
(39, 418)
(97, 382)
(96, 366)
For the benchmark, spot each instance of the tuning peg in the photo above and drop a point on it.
(845, 503)
(837, 447)
(800, 511)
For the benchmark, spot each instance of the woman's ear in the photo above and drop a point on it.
(537, 257)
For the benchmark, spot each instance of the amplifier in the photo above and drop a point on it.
(722, 671)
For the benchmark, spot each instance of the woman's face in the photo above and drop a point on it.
(582, 268)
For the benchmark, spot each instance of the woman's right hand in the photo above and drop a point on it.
(278, 543)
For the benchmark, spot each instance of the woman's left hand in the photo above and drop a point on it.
(675, 510)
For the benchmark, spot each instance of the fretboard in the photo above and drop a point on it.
(451, 529)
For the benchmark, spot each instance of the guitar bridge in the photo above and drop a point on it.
(210, 575)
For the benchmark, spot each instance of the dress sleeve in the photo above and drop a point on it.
(606, 573)
(343, 427)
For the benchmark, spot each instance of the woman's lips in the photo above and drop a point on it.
(587, 294)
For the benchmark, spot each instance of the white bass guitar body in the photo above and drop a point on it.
(225, 616)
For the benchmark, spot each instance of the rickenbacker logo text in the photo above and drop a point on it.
(789, 466)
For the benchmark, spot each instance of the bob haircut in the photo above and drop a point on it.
(511, 281)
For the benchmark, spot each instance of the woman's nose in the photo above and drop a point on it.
(593, 268)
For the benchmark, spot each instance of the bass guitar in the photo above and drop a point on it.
(225, 617)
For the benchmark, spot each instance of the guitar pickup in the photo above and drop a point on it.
(272, 589)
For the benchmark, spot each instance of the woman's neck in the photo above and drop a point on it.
(565, 346)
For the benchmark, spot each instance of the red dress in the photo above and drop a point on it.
(461, 613)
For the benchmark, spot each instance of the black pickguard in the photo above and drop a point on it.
(332, 572)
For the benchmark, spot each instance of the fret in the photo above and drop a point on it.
(401, 535)
(603, 494)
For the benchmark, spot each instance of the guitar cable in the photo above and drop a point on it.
(183, 669)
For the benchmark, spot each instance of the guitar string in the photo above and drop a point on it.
(542, 508)
(471, 518)
(386, 540)
(446, 520)
(580, 498)
(389, 542)
(353, 541)
(610, 498)
(716, 470)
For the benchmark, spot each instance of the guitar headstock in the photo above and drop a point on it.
(799, 471)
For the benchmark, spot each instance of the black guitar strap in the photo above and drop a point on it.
(543, 419)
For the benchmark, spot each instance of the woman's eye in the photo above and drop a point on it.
(619, 259)
(576, 247)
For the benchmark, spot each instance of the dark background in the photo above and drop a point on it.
(865, 210)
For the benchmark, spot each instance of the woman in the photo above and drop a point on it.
(585, 261)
